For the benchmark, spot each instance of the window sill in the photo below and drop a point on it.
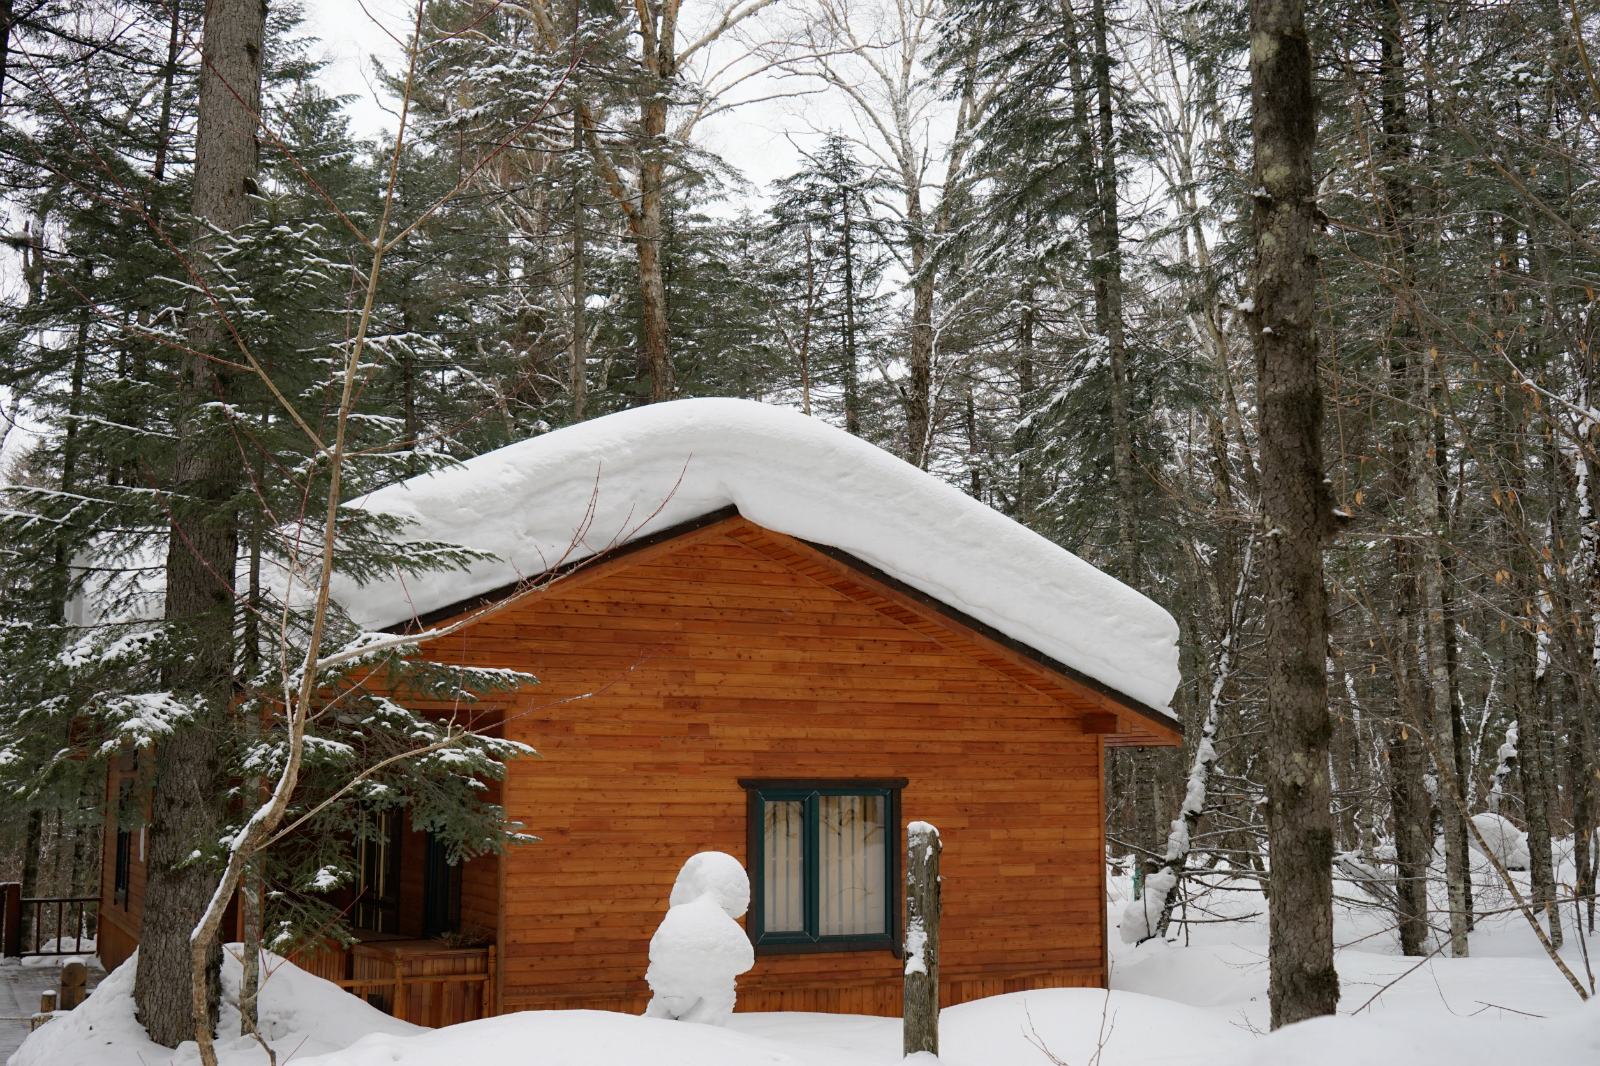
(805, 948)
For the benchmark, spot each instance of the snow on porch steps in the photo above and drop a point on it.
(580, 490)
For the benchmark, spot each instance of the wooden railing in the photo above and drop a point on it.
(424, 998)
(47, 925)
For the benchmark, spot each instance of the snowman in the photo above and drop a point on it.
(700, 948)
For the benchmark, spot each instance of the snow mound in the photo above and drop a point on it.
(699, 949)
(1508, 843)
(1424, 1040)
(580, 1038)
(297, 1010)
(1126, 1028)
(586, 488)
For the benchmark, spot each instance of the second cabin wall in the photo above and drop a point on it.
(664, 682)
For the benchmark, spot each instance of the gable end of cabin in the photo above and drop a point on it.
(725, 687)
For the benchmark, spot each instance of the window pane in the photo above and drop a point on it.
(850, 852)
(783, 866)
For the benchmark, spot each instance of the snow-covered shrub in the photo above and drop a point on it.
(1508, 843)
(700, 948)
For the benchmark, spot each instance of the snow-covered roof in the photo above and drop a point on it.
(584, 489)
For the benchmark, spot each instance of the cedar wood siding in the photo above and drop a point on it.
(669, 673)
(118, 929)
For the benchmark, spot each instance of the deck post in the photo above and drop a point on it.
(921, 1010)
(488, 985)
(399, 986)
(11, 918)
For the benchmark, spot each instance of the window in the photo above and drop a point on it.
(125, 814)
(441, 889)
(824, 859)
(377, 859)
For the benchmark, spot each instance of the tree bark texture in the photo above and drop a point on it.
(917, 392)
(1108, 304)
(580, 337)
(1534, 771)
(661, 66)
(32, 843)
(1452, 780)
(1298, 514)
(202, 546)
(920, 1014)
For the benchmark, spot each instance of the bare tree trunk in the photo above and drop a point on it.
(579, 381)
(250, 917)
(1108, 305)
(1298, 515)
(32, 843)
(850, 371)
(661, 66)
(202, 547)
(1535, 795)
(1435, 622)
(1408, 801)
(5, 45)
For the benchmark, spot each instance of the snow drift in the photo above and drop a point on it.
(1508, 843)
(581, 490)
(300, 1014)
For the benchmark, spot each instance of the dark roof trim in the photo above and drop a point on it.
(938, 606)
(863, 567)
(472, 603)
(823, 782)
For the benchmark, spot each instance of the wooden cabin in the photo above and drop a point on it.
(710, 681)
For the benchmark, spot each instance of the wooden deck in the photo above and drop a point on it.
(429, 982)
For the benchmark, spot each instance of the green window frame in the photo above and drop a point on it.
(804, 923)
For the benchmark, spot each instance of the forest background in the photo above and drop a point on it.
(1015, 250)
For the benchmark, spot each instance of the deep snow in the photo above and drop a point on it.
(580, 490)
(300, 1015)
(1198, 1001)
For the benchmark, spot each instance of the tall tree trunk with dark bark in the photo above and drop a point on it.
(578, 369)
(1408, 794)
(1297, 513)
(185, 814)
(1535, 773)
(1108, 302)
(661, 67)
(917, 392)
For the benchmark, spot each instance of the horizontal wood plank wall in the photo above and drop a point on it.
(663, 683)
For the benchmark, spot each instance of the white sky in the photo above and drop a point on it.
(757, 139)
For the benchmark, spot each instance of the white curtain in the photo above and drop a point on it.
(851, 865)
(783, 866)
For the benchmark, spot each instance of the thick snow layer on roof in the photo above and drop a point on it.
(583, 489)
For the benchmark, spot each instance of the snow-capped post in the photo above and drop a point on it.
(921, 1013)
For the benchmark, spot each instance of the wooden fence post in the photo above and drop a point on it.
(74, 985)
(399, 987)
(921, 1011)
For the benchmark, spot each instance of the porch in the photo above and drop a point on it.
(425, 982)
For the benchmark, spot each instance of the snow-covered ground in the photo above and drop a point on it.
(1201, 1001)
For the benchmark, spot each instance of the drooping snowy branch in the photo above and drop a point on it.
(1150, 914)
